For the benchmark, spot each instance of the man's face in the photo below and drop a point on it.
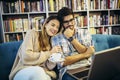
(68, 22)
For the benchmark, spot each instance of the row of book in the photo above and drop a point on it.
(15, 25)
(11, 7)
(98, 20)
(103, 4)
(114, 30)
(114, 19)
(37, 22)
(81, 21)
(22, 24)
(55, 5)
(23, 6)
(100, 30)
(13, 37)
(33, 6)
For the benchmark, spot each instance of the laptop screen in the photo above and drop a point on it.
(105, 65)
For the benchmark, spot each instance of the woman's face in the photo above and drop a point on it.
(52, 27)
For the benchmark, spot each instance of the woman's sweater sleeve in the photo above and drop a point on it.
(30, 56)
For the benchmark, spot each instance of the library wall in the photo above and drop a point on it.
(98, 16)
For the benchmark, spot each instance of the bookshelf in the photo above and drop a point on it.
(104, 16)
(17, 16)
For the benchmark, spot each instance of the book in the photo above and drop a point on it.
(51, 5)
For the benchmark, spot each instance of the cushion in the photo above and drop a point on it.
(114, 40)
(100, 42)
(7, 55)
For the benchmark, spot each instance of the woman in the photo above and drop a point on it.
(31, 61)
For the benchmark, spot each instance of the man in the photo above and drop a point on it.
(76, 43)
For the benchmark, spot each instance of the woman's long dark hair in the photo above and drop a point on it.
(44, 39)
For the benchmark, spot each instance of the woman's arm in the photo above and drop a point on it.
(29, 51)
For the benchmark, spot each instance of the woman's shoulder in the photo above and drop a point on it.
(31, 34)
(32, 31)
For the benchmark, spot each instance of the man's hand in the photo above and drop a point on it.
(69, 32)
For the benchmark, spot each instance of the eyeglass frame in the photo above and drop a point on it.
(66, 22)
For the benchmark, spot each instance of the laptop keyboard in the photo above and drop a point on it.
(82, 74)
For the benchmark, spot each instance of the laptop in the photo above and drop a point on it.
(105, 66)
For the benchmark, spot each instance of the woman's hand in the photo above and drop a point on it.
(56, 49)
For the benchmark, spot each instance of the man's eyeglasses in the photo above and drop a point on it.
(68, 21)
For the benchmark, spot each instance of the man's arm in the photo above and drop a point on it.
(78, 46)
(74, 58)
(84, 51)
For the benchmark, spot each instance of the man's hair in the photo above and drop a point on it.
(64, 12)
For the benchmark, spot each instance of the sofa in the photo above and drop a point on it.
(8, 51)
